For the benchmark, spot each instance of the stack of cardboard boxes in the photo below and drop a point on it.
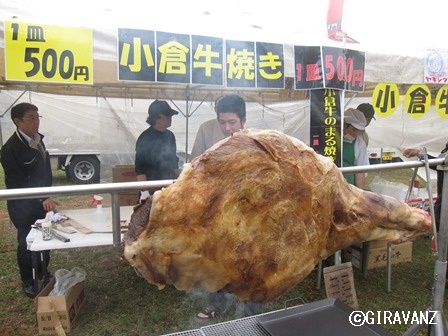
(377, 256)
(56, 315)
(126, 173)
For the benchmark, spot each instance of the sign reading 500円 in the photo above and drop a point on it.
(48, 53)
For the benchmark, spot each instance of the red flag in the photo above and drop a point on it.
(334, 22)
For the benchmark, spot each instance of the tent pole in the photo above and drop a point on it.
(187, 122)
(1, 116)
(441, 327)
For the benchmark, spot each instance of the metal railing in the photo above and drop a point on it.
(111, 188)
(115, 188)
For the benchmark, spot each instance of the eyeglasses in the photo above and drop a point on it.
(32, 118)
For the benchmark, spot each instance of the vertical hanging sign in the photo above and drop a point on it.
(325, 123)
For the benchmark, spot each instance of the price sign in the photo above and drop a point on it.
(42, 53)
(343, 69)
(327, 67)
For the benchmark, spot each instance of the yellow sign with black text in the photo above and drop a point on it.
(385, 99)
(42, 53)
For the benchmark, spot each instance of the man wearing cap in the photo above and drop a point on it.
(369, 113)
(155, 150)
(354, 149)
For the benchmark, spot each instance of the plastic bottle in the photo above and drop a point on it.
(46, 226)
(99, 215)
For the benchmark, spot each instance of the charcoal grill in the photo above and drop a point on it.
(325, 317)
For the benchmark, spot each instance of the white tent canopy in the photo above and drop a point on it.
(394, 34)
(382, 26)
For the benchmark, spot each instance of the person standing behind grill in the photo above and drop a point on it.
(26, 164)
(230, 118)
(155, 149)
(208, 134)
(354, 149)
(369, 112)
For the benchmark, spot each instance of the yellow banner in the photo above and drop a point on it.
(42, 53)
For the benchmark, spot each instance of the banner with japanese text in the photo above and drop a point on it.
(325, 123)
(137, 55)
(328, 67)
(179, 58)
(59, 54)
(418, 100)
(240, 64)
(308, 68)
(207, 63)
(42, 53)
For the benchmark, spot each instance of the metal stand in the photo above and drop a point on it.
(38, 283)
(337, 261)
(440, 328)
(424, 156)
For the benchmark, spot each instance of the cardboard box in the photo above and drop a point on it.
(421, 203)
(377, 243)
(126, 173)
(131, 198)
(378, 255)
(54, 312)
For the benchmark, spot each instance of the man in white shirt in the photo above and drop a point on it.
(208, 134)
(231, 117)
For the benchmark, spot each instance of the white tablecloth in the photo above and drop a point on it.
(102, 234)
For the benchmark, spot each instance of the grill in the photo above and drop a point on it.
(325, 317)
(248, 326)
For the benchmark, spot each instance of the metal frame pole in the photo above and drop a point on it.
(441, 326)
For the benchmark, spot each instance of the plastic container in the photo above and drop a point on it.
(99, 216)
(46, 227)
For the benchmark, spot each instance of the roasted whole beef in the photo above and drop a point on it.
(253, 216)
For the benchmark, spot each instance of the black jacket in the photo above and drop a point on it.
(24, 167)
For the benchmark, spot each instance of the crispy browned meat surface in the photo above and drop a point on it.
(254, 215)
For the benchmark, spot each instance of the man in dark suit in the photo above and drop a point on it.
(26, 164)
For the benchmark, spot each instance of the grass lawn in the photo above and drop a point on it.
(121, 303)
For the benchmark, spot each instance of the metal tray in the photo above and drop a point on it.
(325, 317)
